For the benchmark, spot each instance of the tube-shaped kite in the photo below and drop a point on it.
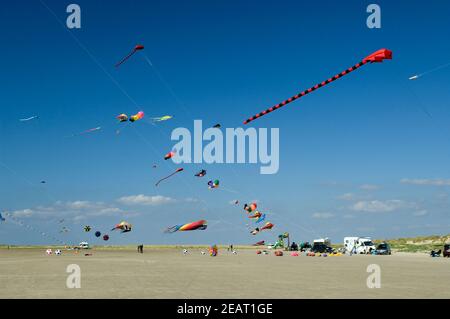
(168, 176)
(200, 225)
(375, 57)
(256, 214)
(137, 116)
(162, 118)
(170, 155)
(125, 227)
(136, 48)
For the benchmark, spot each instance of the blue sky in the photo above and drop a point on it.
(359, 157)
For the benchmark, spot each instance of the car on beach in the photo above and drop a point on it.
(84, 245)
(321, 248)
(383, 249)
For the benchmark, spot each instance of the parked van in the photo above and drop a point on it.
(84, 245)
(359, 245)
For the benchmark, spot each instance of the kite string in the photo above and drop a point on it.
(435, 69)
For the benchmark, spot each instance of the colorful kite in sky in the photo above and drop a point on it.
(125, 227)
(122, 117)
(170, 155)
(201, 173)
(377, 56)
(200, 225)
(213, 184)
(162, 118)
(168, 176)
(257, 229)
(250, 208)
(137, 116)
(138, 47)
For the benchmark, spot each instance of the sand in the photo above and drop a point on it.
(167, 273)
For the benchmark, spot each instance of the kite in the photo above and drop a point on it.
(29, 118)
(217, 126)
(123, 226)
(168, 176)
(170, 155)
(87, 229)
(2, 219)
(201, 173)
(139, 115)
(375, 57)
(255, 215)
(268, 225)
(213, 184)
(261, 218)
(64, 230)
(43, 182)
(105, 237)
(200, 225)
(257, 229)
(98, 234)
(122, 117)
(162, 118)
(415, 77)
(136, 48)
(250, 208)
(236, 202)
(259, 243)
(87, 131)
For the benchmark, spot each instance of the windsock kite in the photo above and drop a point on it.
(168, 176)
(375, 57)
(200, 225)
(138, 47)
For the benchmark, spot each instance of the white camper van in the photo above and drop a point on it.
(359, 245)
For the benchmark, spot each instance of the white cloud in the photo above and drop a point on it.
(369, 187)
(322, 215)
(75, 210)
(422, 212)
(145, 200)
(432, 182)
(377, 206)
(346, 196)
(23, 213)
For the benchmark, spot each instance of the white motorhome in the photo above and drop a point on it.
(84, 245)
(359, 245)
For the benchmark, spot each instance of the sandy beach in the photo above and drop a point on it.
(167, 273)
